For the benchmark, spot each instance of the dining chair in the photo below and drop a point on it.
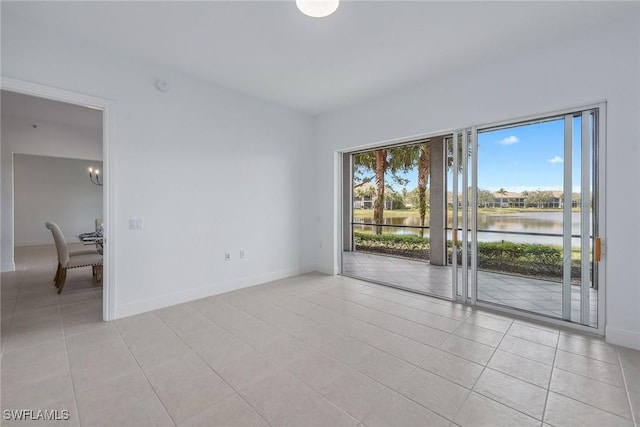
(67, 260)
(71, 253)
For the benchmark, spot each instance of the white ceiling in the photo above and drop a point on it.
(367, 48)
(39, 109)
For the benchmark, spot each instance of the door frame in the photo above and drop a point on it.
(108, 159)
(599, 152)
(343, 201)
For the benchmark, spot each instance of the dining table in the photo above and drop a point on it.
(92, 238)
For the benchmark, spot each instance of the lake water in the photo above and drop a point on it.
(496, 227)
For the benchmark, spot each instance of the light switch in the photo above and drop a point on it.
(135, 224)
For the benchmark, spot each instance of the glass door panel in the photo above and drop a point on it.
(458, 151)
(535, 218)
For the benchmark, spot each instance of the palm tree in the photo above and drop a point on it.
(381, 161)
(394, 160)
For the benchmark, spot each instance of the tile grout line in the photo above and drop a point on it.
(350, 336)
(13, 313)
(416, 366)
(144, 374)
(391, 331)
(316, 392)
(368, 322)
(211, 367)
(484, 368)
(66, 349)
(351, 368)
(626, 388)
(553, 367)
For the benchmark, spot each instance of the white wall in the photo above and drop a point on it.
(53, 189)
(206, 169)
(603, 65)
(48, 139)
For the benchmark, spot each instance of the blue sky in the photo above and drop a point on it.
(529, 157)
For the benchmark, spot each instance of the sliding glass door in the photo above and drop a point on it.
(504, 216)
(537, 245)
(461, 214)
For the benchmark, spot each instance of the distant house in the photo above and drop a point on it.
(519, 200)
(510, 199)
(507, 200)
(365, 196)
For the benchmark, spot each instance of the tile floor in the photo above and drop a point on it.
(311, 350)
(539, 296)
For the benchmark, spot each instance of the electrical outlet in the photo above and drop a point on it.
(227, 256)
(241, 253)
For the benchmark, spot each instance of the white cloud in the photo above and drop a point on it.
(509, 140)
(556, 159)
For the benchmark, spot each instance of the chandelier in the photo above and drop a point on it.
(94, 176)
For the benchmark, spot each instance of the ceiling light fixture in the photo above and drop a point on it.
(317, 8)
(94, 176)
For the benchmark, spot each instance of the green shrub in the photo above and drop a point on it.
(526, 252)
(392, 244)
(391, 238)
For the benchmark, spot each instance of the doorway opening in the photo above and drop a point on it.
(395, 215)
(50, 127)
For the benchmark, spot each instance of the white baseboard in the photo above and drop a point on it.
(623, 337)
(325, 270)
(8, 266)
(168, 300)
